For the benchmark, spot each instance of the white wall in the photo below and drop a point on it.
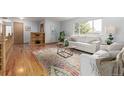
(118, 22)
(50, 35)
(35, 28)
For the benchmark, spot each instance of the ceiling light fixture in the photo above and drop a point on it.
(21, 18)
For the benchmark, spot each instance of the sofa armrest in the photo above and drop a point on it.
(96, 44)
(71, 43)
(88, 65)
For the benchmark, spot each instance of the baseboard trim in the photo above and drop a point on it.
(50, 43)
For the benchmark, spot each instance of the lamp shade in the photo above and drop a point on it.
(110, 29)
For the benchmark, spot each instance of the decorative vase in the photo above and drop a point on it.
(66, 43)
(109, 40)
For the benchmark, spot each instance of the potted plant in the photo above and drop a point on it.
(61, 36)
(66, 43)
(109, 40)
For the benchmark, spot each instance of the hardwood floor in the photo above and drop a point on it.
(23, 63)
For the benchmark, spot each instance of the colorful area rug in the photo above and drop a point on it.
(57, 65)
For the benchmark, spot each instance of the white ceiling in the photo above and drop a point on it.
(59, 18)
(50, 18)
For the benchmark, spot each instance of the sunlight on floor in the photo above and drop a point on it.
(20, 70)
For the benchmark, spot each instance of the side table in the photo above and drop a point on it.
(64, 51)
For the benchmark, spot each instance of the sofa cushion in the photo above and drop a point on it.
(91, 39)
(81, 39)
(83, 45)
(103, 55)
(73, 38)
(77, 38)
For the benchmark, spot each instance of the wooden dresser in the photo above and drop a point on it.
(37, 38)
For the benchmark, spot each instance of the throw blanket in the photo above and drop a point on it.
(120, 62)
(88, 65)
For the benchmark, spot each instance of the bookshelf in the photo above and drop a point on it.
(37, 38)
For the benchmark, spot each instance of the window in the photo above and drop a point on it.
(90, 26)
(97, 25)
(76, 28)
(8, 30)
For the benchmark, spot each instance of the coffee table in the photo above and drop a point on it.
(64, 51)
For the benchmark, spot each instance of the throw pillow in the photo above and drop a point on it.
(102, 54)
(115, 46)
(113, 54)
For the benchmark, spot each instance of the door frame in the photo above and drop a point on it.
(42, 25)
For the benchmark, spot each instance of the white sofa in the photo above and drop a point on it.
(102, 62)
(85, 43)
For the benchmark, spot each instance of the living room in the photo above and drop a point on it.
(71, 46)
(103, 28)
(106, 36)
(61, 46)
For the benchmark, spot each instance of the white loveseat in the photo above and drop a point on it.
(85, 43)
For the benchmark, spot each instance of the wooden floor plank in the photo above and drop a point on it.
(23, 63)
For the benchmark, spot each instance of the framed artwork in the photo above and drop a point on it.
(52, 28)
(27, 28)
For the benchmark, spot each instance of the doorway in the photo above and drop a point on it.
(18, 33)
(41, 27)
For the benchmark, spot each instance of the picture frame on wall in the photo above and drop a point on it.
(27, 28)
